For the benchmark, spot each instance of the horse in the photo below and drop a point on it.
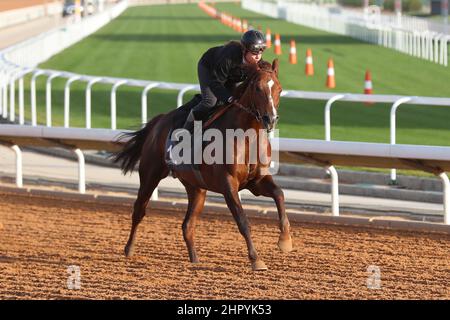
(255, 107)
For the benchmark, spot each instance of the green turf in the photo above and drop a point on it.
(165, 42)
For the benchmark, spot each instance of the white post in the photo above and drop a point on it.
(88, 101)
(394, 129)
(446, 50)
(436, 47)
(21, 101)
(67, 100)
(181, 94)
(81, 171)
(334, 191)
(4, 88)
(19, 175)
(144, 101)
(2, 79)
(113, 103)
(12, 96)
(328, 115)
(48, 98)
(33, 97)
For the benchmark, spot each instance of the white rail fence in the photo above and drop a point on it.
(411, 36)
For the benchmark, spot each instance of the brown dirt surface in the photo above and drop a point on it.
(42, 236)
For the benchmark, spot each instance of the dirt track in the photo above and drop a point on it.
(41, 237)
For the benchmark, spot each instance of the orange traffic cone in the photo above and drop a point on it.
(268, 39)
(277, 44)
(368, 83)
(368, 87)
(309, 67)
(331, 81)
(239, 25)
(293, 53)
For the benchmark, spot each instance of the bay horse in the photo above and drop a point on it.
(256, 107)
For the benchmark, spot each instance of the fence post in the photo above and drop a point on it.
(19, 175)
(48, 98)
(181, 94)
(328, 115)
(88, 101)
(33, 97)
(113, 103)
(144, 117)
(81, 171)
(67, 99)
(446, 189)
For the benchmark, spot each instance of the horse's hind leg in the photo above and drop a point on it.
(235, 206)
(148, 185)
(196, 202)
(268, 188)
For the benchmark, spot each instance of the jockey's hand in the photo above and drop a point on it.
(232, 99)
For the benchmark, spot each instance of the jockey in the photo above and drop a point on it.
(219, 69)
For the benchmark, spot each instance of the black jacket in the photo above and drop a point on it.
(224, 64)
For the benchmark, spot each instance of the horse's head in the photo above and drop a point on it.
(261, 92)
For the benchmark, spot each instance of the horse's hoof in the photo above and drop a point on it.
(129, 251)
(259, 265)
(285, 245)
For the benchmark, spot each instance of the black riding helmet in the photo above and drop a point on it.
(253, 41)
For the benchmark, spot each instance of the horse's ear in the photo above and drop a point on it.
(275, 64)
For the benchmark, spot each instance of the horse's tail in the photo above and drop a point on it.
(131, 152)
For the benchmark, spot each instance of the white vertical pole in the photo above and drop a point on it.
(446, 188)
(88, 101)
(33, 97)
(113, 103)
(334, 191)
(67, 100)
(21, 101)
(12, 97)
(328, 115)
(393, 129)
(144, 116)
(48, 99)
(181, 94)
(81, 171)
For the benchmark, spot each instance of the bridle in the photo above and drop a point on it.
(252, 109)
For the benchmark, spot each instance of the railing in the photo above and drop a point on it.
(411, 36)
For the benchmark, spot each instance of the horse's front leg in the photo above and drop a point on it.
(196, 202)
(268, 188)
(235, 206)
